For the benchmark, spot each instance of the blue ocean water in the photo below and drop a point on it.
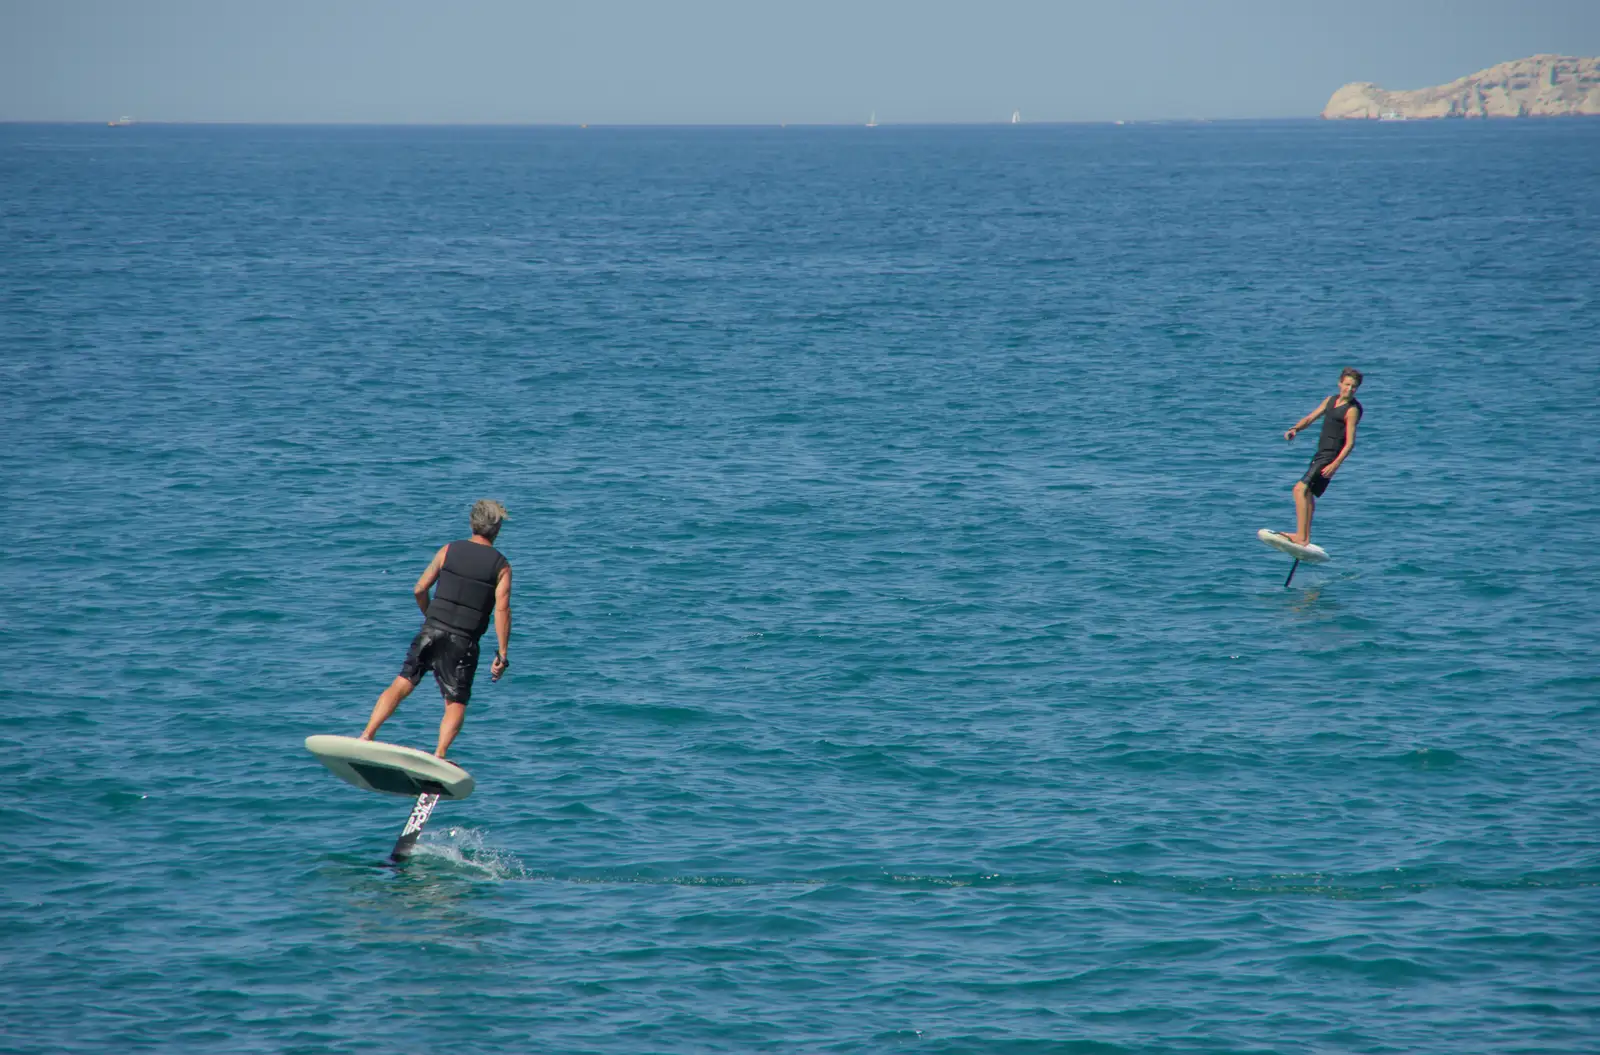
(894, 666)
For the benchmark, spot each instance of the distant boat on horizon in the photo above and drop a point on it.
(120, 122)
(1016, 117)
(872, 122)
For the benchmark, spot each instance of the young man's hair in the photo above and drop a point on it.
(1351, 371)
(487, 515)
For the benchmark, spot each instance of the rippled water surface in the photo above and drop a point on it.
(895, 667)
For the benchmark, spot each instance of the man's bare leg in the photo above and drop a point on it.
(398, 690)
(450, 725)
(1304, 506)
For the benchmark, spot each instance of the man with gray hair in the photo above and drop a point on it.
(474, 581)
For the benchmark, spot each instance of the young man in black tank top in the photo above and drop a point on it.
(474, 581)
(1339, 414)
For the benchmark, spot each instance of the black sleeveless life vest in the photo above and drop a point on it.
(463, 598)
(1331, 442)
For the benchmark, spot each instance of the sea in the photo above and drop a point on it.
(895, 667)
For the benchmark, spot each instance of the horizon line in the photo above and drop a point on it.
(134, 122)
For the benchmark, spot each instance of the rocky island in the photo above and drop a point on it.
(1540, 86)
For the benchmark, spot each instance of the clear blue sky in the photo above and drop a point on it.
(750, 62)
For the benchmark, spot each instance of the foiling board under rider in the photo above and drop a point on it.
(394, 770)
(390, 768)
(1310, 552)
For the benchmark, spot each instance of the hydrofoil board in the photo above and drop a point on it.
(1310, 552)
(394, 770)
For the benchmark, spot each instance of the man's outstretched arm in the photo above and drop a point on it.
(1308, 419)
(430, 575)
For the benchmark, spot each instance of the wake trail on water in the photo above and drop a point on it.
(466, 849)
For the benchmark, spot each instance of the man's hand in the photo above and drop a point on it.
(498, 667)
(1290, 435)
(1327, 470)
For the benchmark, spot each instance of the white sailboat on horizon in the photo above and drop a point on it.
(872, 122)
(1016, 117)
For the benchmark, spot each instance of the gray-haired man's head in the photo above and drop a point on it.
(487, 516)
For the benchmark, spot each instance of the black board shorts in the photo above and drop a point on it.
(452, 658)
(1315, 482)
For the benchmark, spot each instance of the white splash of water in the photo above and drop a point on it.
(468, 848)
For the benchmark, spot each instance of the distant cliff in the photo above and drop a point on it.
(1541, 86)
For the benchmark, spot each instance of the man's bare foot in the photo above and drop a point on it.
(364, 736)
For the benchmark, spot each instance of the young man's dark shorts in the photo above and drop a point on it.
(452, 658)
(1315, 482)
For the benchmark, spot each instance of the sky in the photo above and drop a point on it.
(751, 62)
